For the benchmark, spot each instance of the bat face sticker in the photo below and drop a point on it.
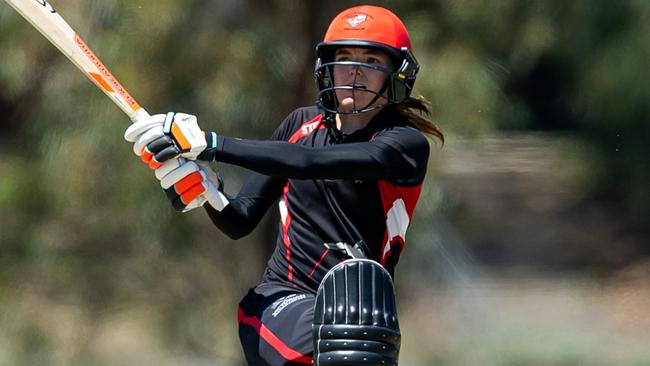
(47, 5)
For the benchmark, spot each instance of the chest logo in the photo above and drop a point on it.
(308, 128)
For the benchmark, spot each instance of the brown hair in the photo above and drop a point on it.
(416, 109)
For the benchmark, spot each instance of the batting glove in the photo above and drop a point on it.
(166, 136)
(144, 131)
(189, 185)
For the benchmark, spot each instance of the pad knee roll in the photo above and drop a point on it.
(355, 316)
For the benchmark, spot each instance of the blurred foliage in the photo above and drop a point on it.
(94, 265)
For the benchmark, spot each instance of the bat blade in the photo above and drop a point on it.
(50, 24)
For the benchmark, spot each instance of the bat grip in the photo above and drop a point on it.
(139, 114)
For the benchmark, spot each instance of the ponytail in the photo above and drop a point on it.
(416, 110)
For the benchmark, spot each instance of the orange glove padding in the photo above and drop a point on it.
(189, 185)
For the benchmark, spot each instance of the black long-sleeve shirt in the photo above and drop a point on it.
(332, 188)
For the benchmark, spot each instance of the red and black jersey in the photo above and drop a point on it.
(331, 188)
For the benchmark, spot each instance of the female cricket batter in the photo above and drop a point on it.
(347, 172)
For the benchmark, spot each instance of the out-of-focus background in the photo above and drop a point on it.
(530, 242)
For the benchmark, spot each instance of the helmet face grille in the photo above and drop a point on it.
(328, 89)
(397, 88)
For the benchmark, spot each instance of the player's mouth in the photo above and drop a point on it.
(357, 86)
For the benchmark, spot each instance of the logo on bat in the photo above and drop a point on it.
(107, 76)
(46, 5)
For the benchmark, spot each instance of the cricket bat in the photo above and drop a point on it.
(50, 24)
(46, 20)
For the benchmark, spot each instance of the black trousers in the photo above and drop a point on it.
(275, 324)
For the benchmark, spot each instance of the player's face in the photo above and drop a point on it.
(364, 82)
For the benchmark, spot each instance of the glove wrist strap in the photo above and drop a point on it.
(210, 152)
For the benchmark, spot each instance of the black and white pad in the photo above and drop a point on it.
(355, 317)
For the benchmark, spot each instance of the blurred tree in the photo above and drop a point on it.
(82, 222)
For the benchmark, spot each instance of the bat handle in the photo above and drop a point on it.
(139, 114)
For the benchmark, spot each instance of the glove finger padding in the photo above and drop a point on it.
(163, 149)
(146, 155)
(193, 187)
(134, 131)
(144, 139)
(189, 185)
(174, 176)
(167, 167)
(197, 190)
(183, 185)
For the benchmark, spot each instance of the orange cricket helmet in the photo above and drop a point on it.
(373, 27)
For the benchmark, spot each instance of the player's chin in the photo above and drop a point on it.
(352, 102)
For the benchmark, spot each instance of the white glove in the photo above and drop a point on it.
(162, 137)
(189, 185)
